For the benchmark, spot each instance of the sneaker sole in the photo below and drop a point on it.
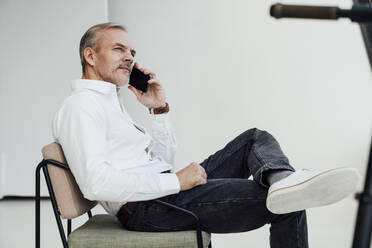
(323, 189)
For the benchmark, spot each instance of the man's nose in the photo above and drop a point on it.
(128, 57)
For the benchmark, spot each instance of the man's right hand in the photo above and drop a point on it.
(191, 176)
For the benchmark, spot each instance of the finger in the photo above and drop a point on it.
(132, 89)
(152, 75)
(138, 93)
(146, 71)
(199, 181)
(194, 165)
(154, 80)
(204, 174)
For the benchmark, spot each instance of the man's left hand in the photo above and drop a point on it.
(155, 95)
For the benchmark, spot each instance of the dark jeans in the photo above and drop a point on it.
(228, 202)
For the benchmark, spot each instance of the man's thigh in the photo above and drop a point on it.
(223, 206)
(231, 161)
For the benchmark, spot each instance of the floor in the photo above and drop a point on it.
(329, 226)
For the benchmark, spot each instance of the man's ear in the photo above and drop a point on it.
(89, 55)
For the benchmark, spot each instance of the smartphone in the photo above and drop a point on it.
(138, 79)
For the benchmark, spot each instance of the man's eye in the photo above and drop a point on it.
(118, 48)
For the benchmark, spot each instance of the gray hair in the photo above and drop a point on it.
(90, 39)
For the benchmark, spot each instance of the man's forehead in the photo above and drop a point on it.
(113, 36)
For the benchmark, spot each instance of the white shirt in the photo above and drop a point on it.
(106, 151)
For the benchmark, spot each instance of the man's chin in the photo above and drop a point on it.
(120, 82)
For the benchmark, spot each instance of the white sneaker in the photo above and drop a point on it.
(309, 188)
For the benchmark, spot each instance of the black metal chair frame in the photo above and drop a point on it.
(43, 165)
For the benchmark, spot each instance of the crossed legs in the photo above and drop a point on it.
(228, 202)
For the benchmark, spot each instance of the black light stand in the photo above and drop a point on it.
(361, 12)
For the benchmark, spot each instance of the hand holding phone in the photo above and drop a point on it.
(138, 79)
(151, 96)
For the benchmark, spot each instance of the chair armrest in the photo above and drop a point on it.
(199, 237)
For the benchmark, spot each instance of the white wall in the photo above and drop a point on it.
(227, 66)
(40, 55)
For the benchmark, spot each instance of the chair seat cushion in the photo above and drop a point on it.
(103, 230)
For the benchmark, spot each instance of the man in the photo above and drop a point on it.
(115, 161)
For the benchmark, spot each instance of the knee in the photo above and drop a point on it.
(254, 133)
(250, 132)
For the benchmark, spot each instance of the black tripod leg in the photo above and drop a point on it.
(363, 227)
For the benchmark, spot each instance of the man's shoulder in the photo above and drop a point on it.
(81, 99)
(80, 102)
(74, 108)
(65, 112)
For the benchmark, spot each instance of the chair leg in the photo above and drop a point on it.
(90, 214)
(37, 204)
(210, 244)
(55, 208)
(68, 227)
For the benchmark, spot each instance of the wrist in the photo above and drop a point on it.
(160, 110)
(163, 105)
(180, 181)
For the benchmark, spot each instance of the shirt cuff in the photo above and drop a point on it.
(170, 183)
(160, 122)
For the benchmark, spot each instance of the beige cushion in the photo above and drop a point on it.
(70, 200)
(105, 231)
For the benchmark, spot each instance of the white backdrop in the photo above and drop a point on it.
(39, 57)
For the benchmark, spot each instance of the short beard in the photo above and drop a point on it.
(109, 77)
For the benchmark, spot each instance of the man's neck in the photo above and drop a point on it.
(94, 76)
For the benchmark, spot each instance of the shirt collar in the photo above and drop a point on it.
(97, 85)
